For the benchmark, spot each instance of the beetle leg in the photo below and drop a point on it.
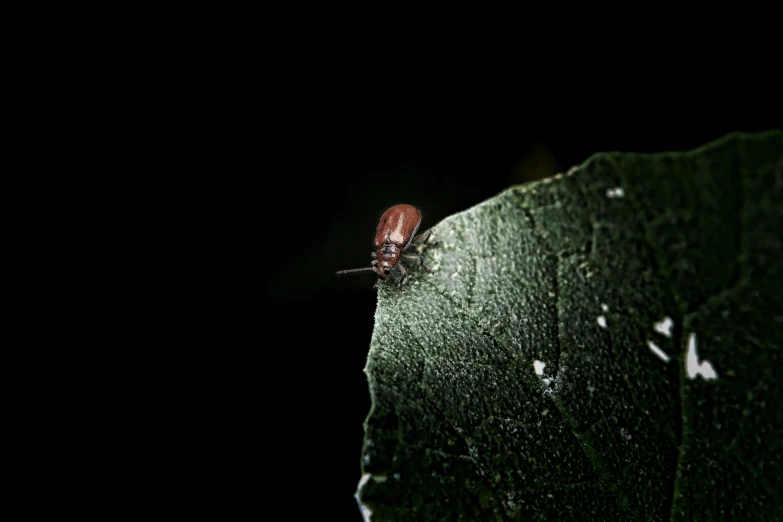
(404, 276)
(418, 258)
(424, 238)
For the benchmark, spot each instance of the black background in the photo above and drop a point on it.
(340, 168)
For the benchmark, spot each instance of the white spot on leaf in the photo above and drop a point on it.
(664, 326)
(602, 321)
(366, 513)
(539, 366)
(693, 366)
(604, 307)
(657, 351)
(616, 192)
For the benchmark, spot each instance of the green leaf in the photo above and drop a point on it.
(574, 277)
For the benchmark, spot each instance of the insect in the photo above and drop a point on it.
(395, 236)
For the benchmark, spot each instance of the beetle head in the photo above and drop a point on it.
(382, 268)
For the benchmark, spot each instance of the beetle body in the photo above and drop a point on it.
(396, 229)
(395, 235)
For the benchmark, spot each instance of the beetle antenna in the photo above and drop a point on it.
(353, 271)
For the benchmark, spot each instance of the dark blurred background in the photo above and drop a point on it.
(322, 209)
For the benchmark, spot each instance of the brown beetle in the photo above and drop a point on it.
(395, 235)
